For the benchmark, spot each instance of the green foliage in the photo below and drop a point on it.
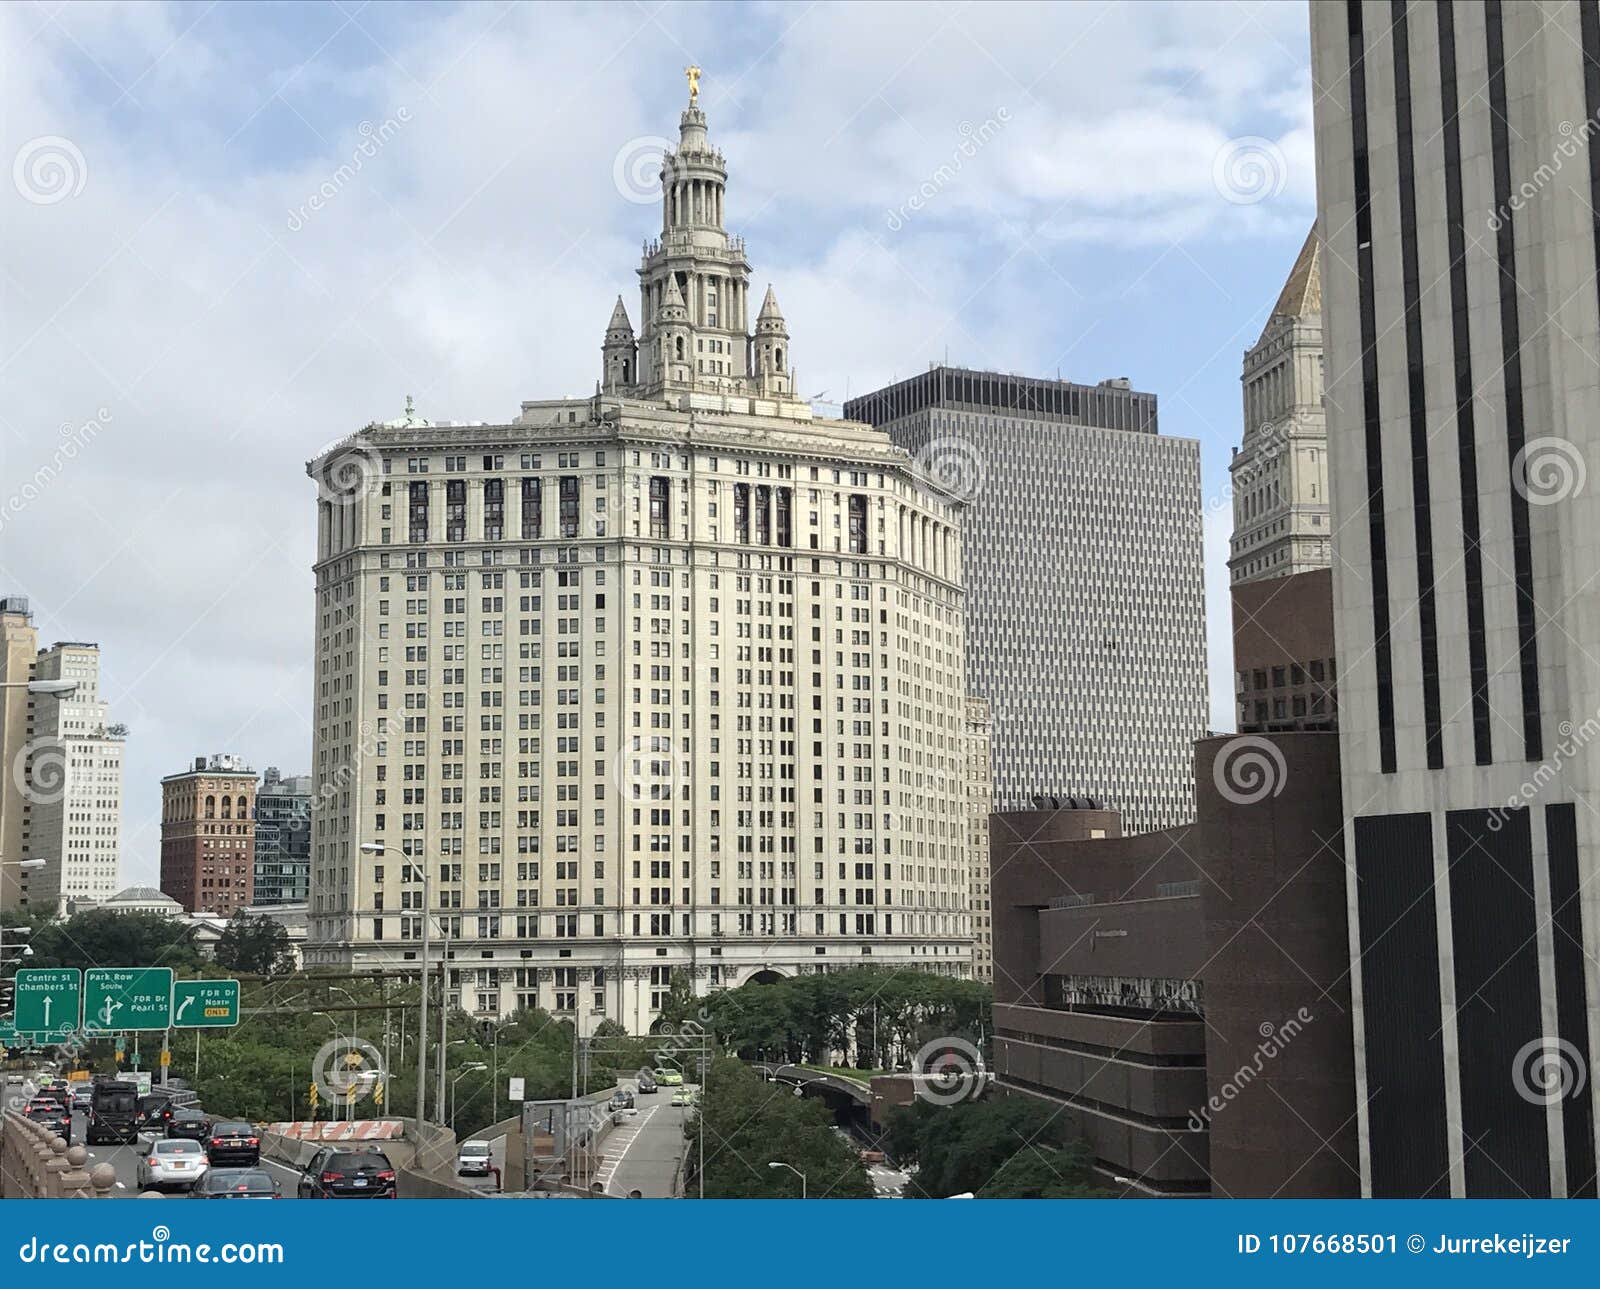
(884, 1017)
(107, 938)
(749, 1123)
(996, 1148)
(680, 1003)
(258, 946)
(1035, 1173)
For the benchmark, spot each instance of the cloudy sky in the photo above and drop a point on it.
(182, 326)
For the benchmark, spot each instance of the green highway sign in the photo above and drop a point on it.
(47, 1001)
(9, 1036)
(116, 998)
(205, 1004)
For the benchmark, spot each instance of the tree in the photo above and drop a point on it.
(811, 1019)
(680, 1004)
(1042, 1173)
(107, 938)
(258, 946)
(750, 1123)
(1000, 1148)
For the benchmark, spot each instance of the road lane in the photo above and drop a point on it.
(647, 1158)
(125, 1160)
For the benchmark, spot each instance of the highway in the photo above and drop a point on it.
(125, 1159)
(642, 1153)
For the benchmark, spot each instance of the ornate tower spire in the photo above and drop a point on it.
(694, 284)
(619, 355)
(771, 347)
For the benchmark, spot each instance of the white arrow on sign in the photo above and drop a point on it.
(108, 1011)
(47, 1011)
(183, 1007)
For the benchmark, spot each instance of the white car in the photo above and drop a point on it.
(172, 1161)
(474, 1157)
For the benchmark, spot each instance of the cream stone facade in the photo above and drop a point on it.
(74, 784)
(669, 678)
(1281, 520)
(19, 647)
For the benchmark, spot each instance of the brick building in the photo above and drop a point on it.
(208, 835)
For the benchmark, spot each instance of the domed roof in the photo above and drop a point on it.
(141, 895)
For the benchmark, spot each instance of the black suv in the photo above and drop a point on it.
(155, 1110)
(190, 1124)
(337, 1173)
(47, 1110)
(233, 1144)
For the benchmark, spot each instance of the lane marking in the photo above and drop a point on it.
(611, 1166)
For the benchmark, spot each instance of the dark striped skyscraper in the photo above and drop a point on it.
(1457, 190)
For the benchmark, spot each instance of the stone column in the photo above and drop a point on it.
(75, 1179)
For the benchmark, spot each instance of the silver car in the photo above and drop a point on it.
(172, 1161)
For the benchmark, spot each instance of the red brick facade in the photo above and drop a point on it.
(208, 838)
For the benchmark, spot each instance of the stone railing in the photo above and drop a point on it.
(37, 1164)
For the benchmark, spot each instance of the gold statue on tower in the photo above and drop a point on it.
(693, 73)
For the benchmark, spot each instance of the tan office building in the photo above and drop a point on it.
(670, 678)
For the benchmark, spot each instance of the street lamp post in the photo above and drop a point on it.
(795, 1171)
(350, 1112)
(50, 688)
(25, 865)
(476, 1067)
(444, 1004)
(333, 1112)
(378, 848)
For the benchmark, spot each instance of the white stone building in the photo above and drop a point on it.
(1280, 472)
(670, 678)
(73, 777)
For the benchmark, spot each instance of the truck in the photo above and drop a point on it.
(113, 1112)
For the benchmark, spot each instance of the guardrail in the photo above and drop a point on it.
(37, 1164)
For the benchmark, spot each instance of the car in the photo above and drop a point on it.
(236, 1183)
(622, 1099)
(647, 1083)
(338, 1173)
(233, 1143)
(188, 1123)
(475, 1158)
(82, 1096)
(172, 1161)
(154, 1110)
(669, 1078)
(52, 1114)
(113, 1111)
(682, 1097)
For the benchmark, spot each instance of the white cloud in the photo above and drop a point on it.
(473, 259)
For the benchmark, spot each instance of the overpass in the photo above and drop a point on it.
(814, 1082)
